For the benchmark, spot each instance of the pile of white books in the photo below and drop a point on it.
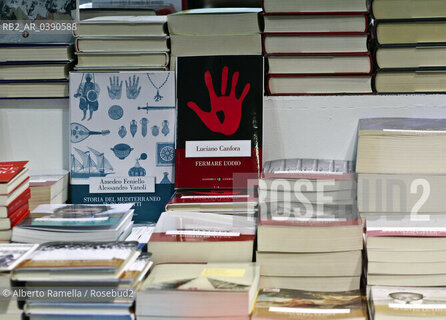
(207, 32)
(404, 250)
(182, 236)
(122, 43)
(75, 222)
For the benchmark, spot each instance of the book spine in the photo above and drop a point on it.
(19, 202)
(19, 215)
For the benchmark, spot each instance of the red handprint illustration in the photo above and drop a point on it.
(230, 106)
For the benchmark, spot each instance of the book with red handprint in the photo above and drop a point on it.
(219, 133)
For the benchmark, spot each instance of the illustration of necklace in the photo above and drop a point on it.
(158, 97)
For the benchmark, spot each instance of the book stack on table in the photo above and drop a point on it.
(311, 204)
(84, 279)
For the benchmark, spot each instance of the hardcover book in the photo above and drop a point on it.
(219, 136)
(122, 139)
(211, 290)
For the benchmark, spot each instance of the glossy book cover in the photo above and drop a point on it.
(219, 135)
(122, 139)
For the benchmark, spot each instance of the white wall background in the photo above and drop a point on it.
(294, 127)
(326, 126)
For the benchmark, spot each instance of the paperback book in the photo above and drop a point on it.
(122, 139)
(57, 261)
(219, 136)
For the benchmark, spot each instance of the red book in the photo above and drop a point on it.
(23, 198)
(12, 174)
(15, 218)
(7, 199)
(219, 126)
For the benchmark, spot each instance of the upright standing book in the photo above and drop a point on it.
(122, 139)
(219, 135)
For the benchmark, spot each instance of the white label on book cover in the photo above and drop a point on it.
(202, 233)
(115, 184)
(218, 148)
(309, 311)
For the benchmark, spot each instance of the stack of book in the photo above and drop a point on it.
(122, 139)
(202, 237)
(106, 8)
(207, 32)
(411, 56)
(91, 279)
(122, 43)
(14, 196)
(401, 166)
(405, 250)
(35, 70)
(48, 188)
(10, 256)
(299, 304)
(322, 250)
(75, 222)
(311, 204)
(317, 47)
(415, 303)
(311, 181)
(94, 9)
(199, 291)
